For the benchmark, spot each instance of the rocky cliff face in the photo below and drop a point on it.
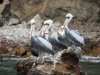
(83, 11)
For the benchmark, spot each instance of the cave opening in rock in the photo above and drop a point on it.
(1, 1)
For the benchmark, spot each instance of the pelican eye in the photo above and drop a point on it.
(68, 17)
(32, 23)
(46, 24)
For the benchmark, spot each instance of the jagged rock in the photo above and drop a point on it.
(63, 63)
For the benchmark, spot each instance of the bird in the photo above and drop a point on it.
(38, 44)
(73, 37)
(52, 37)
(34, 51)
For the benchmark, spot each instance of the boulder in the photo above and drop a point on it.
(63, 63)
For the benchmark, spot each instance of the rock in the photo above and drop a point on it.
(4, 12)
(9, 47)
(2, 37)
(24, 65)
(95, 45)
(88, 42)
(68, 64)
(20, 50)
(2, 5)
(90, 52)
(13, 21)
(4, 45)
(83, 11)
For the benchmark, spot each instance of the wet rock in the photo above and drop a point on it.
(63, 63)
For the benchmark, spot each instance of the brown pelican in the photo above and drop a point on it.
(52, 37)
(38, 43)
(73, 37)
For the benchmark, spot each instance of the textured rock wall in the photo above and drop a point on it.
(83, 10)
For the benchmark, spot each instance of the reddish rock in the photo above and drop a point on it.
(4, 45)
(7, 47)
(21, 50)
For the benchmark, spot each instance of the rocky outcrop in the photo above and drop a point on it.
(63, 63)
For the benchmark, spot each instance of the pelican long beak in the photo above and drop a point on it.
(62, 27)
(31, 32)
(42, 31)
(64, 24)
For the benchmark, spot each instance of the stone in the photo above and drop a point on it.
(13, 21)
(68, 64)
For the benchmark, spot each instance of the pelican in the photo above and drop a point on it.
(52, 37)
(34, 51)
(38, 43)
(73, 37)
